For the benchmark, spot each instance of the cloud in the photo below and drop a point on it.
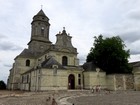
(134, 47)
(134, 52)
(125, 24)
(134, 14)
(7, 65)
(131, 36)
(134, 58)
(83, 19)
(8, 46)
(2, 36)
(82, 58)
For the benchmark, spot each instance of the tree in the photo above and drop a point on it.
(110, 55)
(2, 85)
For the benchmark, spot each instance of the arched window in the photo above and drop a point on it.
(42, 31)
(34, 30)
(64, 61)
(27, 62)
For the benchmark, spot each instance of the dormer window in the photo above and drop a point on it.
(27, 62)
(64, 61)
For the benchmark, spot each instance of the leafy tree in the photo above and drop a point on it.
(110, 55)
(2, 85)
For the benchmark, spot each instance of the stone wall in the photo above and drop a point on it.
(136, 72)
(92, 78)
(45, 79)
(129, 82)
(51, 81)
(120, 82)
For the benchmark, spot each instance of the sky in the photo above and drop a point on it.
(83, 19)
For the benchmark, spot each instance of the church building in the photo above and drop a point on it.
(47, 66)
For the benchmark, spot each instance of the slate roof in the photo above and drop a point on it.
(90, 66)
(41, 13)
(26, 53)
(135, 64)
(29, 71)
(48, 63)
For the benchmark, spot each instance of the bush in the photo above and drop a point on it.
(2, 85)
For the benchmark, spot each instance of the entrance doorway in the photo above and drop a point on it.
(71, 80)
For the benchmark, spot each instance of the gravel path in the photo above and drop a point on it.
(75, 97)
(124, 98)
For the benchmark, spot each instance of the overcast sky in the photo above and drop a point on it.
(83, 19)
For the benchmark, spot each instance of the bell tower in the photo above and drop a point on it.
(40, 33)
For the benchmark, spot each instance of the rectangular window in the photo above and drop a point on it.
(22, 79)
(79, 81)
(39, 71)
(27, 78)
(79, 75)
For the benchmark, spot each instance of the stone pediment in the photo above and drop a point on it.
(51, 63)
(65, 50)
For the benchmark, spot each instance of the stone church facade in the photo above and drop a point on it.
(46, 66)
